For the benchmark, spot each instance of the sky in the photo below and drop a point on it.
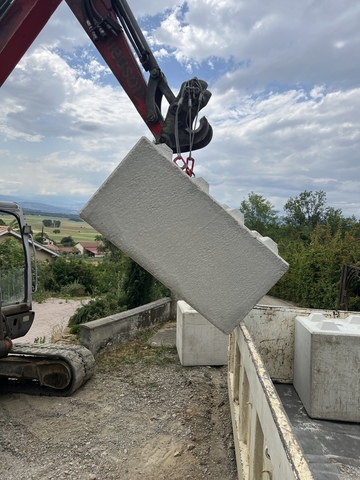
(285, 105)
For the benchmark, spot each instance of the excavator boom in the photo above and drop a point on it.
(21, 21)
(112, 28)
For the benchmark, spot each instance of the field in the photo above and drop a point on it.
(78, 230)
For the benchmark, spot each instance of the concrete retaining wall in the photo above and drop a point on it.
(122, 326)
(265, 444)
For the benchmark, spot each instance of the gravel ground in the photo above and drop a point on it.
(51, 318)
(135, 419)
(143, 422)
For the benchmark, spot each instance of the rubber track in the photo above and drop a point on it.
(80, 360)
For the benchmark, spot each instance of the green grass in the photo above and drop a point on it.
(136, 350)
(79, 231)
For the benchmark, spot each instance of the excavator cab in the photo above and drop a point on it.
(15, 276)
(48, 369)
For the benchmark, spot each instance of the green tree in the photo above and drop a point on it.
(67, 241)
(120, 284)
(53, 276)
(137, 285)
(11, 254)
(309, 209)
(110, 271)
(260, 214)
(14, 225)
(39, 237)
(48, 223)
(315, 266)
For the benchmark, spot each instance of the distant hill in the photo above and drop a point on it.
(43, 207)
(41, 213)
(31, 207)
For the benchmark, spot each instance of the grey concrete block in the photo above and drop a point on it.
(120, 327)
(157, 215)
(198, 342)
(327, 365)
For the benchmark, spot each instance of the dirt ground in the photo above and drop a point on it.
(51, 318)
(133, 420)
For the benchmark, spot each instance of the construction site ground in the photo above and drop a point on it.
(142, 416)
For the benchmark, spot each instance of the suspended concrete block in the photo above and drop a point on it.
(169, 224)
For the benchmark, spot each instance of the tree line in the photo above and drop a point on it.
(316, 240)
(48, 222)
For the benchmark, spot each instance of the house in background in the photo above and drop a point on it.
(91, 249)
(42, 252)
(61, 250)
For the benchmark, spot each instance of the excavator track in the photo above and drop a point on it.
(48, 369)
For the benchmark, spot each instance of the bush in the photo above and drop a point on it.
(314, 276)
(54, 276)
(138, 285)
(67, 241)
(95, 309)
(74, 289)
(11, 254)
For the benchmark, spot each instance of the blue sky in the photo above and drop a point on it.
(284, 77)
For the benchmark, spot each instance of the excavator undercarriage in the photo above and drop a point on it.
(47, 369)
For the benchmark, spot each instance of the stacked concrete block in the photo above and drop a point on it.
(327, 365)
(169, 224)
(198, 342)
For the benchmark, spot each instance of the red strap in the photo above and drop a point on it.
(187, 165)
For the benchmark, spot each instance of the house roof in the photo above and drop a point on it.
(89, 245)
(52, 247)
(62, 249)
(92, 247)
(6, 231)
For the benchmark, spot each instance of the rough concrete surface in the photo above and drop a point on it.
(158, 216)
(166, 337)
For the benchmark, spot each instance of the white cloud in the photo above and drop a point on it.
(141, 8)
(285, 143)
(64, 104)
(286, 96)
(279, 41)
(64, 133)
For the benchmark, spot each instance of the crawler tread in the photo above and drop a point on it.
(79, 359)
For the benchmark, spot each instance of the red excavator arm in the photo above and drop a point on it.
(112, 28)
